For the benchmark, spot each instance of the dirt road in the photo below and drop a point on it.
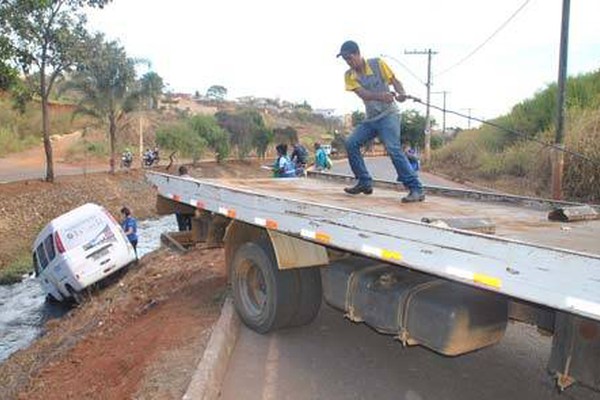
(31, 164)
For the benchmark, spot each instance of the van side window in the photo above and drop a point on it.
(49, 246)
(36, 265)
(42, 256)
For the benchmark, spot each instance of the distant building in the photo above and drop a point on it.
(325, 112)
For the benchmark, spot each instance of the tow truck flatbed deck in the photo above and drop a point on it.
(529, 258)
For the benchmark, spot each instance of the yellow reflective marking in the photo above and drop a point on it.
(322, 237)
(391, 255)
(487, 280)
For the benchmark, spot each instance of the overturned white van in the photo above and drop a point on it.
(78, 249)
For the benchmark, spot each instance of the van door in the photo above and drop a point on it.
(45, 258)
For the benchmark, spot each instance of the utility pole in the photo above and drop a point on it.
(429, 53)
(558, 159)
(444, 92)
(469, 110)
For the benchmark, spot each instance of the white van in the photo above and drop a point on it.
(78, 249)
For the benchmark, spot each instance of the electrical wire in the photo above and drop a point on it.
(509, 130)
(486, 40)
(405, 67)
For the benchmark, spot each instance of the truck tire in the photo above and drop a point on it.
(310, 296)
(265, 297)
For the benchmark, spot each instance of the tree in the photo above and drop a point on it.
(105, 84)
(8, 74)
(216, 92)
(152, 86)
(261, 141)
(287, 135)
(358, 117)
(413, 126)
(207, 128)
(243, 127)
(47, 38)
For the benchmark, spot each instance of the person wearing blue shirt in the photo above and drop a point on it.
(129, 225)
(321, 159)
(283, 167)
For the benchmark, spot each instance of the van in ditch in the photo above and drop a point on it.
(78, 249)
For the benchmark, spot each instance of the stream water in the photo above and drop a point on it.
(24, 310)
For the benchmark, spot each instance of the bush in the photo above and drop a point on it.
(181, 137)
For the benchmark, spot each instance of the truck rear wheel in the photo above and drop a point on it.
(265, 297)
(310, 295)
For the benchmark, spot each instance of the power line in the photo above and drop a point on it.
(406, 68)
(486, 40)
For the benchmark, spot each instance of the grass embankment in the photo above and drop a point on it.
(516, 162)
(20, 131)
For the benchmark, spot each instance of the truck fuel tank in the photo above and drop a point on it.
(444, 316)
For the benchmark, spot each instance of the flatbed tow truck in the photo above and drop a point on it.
(447, 273)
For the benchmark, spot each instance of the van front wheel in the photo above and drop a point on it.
(75, 295)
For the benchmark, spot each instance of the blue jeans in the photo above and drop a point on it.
(388, 130)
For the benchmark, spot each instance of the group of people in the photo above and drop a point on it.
(295, 165)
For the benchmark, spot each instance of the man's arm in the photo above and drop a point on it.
(367, 95)
(399, 89)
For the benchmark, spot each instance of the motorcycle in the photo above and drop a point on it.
(151, 158)
(126, 160)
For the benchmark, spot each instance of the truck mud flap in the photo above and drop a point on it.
(446, 317)
(575, 351)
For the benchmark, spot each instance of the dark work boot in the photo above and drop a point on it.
(414, 196)
(359, 188)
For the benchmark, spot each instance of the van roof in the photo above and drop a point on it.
(66, 219)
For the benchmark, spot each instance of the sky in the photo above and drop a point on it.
(283, 49)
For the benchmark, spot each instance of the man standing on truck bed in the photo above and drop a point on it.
(371, 80)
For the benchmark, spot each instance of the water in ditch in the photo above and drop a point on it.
(23, 309)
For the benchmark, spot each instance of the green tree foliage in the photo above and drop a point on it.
(192, 136)
(152, 86)
(412, 129)
(243, 126)
(261, 141)
(8, 73)
(287, 135)
(46, 38)
(180, 136)
(490, 152)
(104, 83)
(339, 142)
(304, 106)
(358, 117)
(216, 92)
(207, 128)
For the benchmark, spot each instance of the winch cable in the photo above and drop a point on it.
(509, 130)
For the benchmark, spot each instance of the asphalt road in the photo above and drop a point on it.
(333, 358)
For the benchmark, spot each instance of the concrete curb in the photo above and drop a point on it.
(206, 381)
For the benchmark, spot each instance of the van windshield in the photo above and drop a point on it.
(89, 233)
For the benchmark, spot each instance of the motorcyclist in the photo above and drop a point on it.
(126, 158)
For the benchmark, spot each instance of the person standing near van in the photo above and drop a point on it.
(184, 222)
(371, 80)
(129, 225)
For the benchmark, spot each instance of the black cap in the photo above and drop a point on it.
(349, 47)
